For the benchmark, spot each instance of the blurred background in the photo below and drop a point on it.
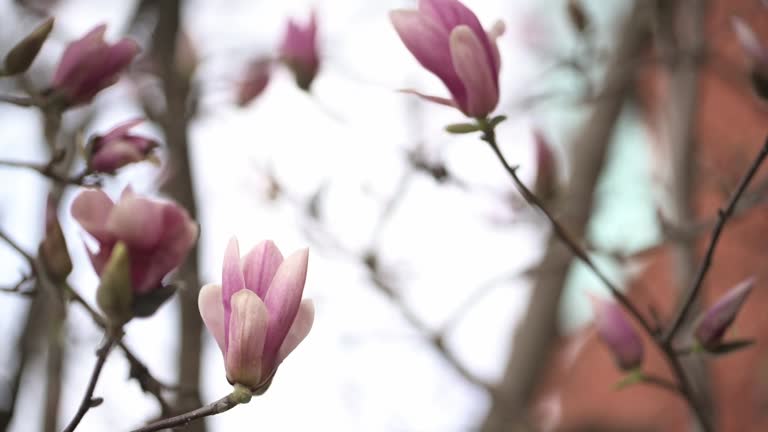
(444, 302)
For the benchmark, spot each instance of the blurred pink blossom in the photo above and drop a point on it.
(118, 147)
(299, 51)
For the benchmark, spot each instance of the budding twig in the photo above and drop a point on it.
(724, 214)
(238, 396)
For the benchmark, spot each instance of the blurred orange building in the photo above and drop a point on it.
(732, 124)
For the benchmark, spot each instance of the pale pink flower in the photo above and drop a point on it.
(256, 315)
(157, 234)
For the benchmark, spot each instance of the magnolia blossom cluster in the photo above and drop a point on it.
(298, 51)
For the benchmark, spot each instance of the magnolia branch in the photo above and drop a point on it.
(683, 386)
(89, 401)
(48, 170)
(239, 395)
(724, 214)
(489, 136)
(139, 370)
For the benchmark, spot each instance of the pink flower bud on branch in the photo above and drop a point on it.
(256, 314)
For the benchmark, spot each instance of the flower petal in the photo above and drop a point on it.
(137, 221)
(212, 311)
(427, 40)
(300, 328)
(282, 301)
(451, 14)
(247, 332)
(91, 209)
(121, 129)
(260, 266)
(475, 72)
(76, 52)
(231, 280)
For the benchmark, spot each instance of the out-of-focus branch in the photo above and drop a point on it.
(89, 401)
(176, 89)
(681, 41)
(533, 339)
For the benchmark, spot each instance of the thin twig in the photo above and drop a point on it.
(724, 215)
(22, 101)
(48, 170)
(139, 371)
(489, 136)
(662, 383)
(88, 401)
(238, 396)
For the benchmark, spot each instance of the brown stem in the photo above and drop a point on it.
(238, 396)
(724, 214)
(88, 401)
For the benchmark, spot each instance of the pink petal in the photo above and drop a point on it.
(212, 311)
(247, 331)
(121, 129)
(137, 221)
(475, 72)
(451, 14)
(300, 328)
(91, 209)
(231, 279)
(76, 52)
(428, 42)
(260, 266)
(113, 156)
(178, 235)
(282, 300)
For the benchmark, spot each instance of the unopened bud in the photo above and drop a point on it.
(617, 334)
(713, 324)
(577, 16)
(115, 295)
(53, 251)
(21, 56)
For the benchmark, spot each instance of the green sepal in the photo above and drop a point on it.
(632, 377)
(115, 293)
(147, 304)
(462, 128)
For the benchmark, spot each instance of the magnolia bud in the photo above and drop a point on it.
(713, 324)
(618, 334)
(53, 249)
(115, 295)
(21, 56)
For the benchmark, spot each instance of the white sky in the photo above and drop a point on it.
(362, 367)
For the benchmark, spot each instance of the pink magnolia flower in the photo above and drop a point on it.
(118, 148)
(449, 41)
(617, 334)
(299, 51)
(90, 65)
(256, 315)
(256, 78)
(713, 324)
(158, 235)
